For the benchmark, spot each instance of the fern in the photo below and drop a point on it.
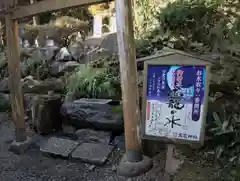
(91, 83)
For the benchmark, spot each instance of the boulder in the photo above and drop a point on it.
(77, 50)
(36, 54)
(119, 141)
(69, 131)
(92, 115)
(96, 55)
(30, 85)
(109, 42)
(23, 68)
(63, 55)
(44, 112)
(93, 41)
(60, 68)
(49, 52)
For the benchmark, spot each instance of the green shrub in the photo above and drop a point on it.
(226, 139)
(37, 68)
(145, 19)
(150, 46)
(92, 83)
(111, 63)
(190, 20)
(215, 24)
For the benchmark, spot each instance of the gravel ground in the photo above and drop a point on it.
(32, 166)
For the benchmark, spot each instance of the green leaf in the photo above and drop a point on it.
(232, 159)
(217, 119)
(225, 125)
(219, 151)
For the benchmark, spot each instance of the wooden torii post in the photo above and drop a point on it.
(133, 163)
(14, 81)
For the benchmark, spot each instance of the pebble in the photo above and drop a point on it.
(114, 168)
(91, 168)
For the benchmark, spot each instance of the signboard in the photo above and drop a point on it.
(174, 101)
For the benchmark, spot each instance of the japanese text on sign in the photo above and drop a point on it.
(175, 102)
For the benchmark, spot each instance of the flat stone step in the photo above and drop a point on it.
(89, 135)
(58, 147)
(92, 153)
(93, 101)
(93, 116)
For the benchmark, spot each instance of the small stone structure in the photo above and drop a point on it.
(98, 115)
(99, 25)
(44, 112)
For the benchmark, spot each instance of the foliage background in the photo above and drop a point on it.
(209, 27)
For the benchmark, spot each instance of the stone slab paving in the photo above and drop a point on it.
(92, 153)
(58, 147)
(33, 166)
(88, 135)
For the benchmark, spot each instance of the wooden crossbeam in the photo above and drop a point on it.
(50, 6)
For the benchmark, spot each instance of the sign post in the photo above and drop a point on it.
(175, 100)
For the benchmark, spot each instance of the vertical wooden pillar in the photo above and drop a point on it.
(127, 58)
(15, 87)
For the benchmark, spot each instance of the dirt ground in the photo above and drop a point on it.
(197, 167)
(190, 171)
(32, 166)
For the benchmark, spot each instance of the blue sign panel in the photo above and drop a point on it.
(175, 98)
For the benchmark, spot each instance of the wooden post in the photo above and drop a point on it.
(173, 162)
(127, 58)
(169, 162)
(14, 77)
(133, 163)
